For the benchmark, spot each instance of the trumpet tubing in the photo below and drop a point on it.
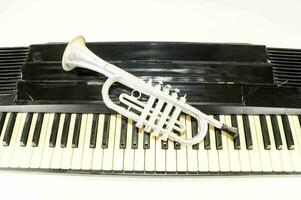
(159, 114)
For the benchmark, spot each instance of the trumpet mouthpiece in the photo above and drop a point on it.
(230, 130)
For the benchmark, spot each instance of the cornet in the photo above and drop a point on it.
(158, 115)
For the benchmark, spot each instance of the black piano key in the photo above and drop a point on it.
(194, 131)
(75, 138)
(54, 130)
(265, 132)
(207, 140)
(135, 136)
(37, 130)
(146, 140)
(2, 120)
(123, 133)
(237, 139)
(106, 131)
(177, 145)
(218, 136)
(247, 130)
(299, 117)
(9, 129)
(65, 131)
(276, 132)
(25, 131)
(93, 137)
(288, 132)
(164, 144)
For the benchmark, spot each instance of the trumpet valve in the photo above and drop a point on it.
(167, 88)
(177, 90)
(150, 81)
(183, 98)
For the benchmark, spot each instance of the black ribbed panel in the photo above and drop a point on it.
(286, 66)
(11, 60)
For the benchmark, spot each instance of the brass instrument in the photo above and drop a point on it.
(159, 114)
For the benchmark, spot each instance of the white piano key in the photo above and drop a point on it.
(202, 158)
(47, 150)
(3, 133)
(295, 153)
(78, 151)
(182, 153)
(27, 152)
(118, 152)
(8, 150)
(274, 153)
(15, 161)
(139, 153)
(37, 151)
(150, 155)
(223, 154)
(67, 152)
(171, 158)
(192, 154)
(57, 151)
(296, 123)
(233, 153)
(284, 153)
(254, 153)
(244, 156)
(128, 164)
(160, 156)
(264, 154)
(87, 151)
(213, 162)
(98, 151)
(108, 153)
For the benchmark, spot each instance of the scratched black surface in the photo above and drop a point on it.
(196, 69)
(158, 51)
(211, 94)
(235, 75)
(170, 72)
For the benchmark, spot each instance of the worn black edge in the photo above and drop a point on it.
(155, 51)
(100, 108)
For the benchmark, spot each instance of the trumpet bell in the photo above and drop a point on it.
(76, 43)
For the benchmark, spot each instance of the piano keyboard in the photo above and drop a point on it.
(100, 143)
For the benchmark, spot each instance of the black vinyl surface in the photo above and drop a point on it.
(217, 78)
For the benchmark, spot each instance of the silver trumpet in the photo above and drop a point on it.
(158, 115)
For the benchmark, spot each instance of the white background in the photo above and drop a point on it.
(273, 23)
